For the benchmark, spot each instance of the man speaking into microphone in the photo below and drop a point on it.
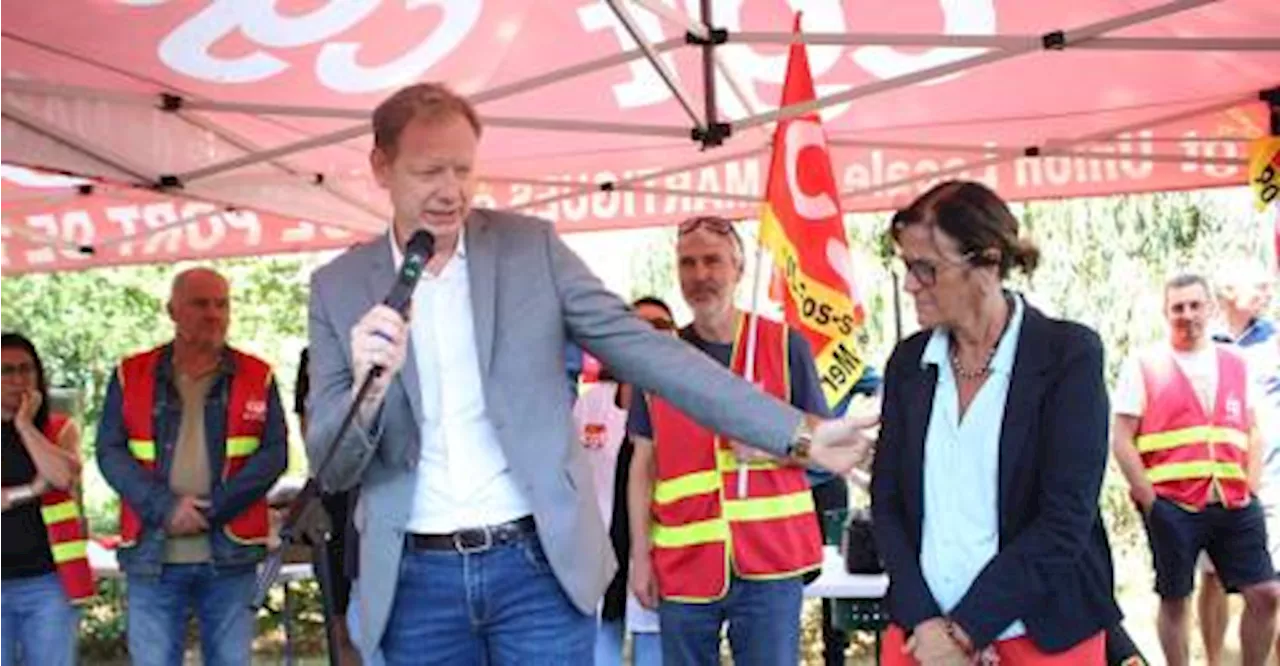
(480, 541)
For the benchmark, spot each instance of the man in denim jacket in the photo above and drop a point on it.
(192, 436)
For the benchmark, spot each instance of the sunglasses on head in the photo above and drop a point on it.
(717, 225)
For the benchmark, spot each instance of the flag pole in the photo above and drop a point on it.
(753, 333)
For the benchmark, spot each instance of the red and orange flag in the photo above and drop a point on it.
(801, 225)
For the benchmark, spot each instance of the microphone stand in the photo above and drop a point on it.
(307, 522)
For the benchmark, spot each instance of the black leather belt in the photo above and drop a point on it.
(474, 539)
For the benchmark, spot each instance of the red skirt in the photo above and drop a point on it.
(1013, 652)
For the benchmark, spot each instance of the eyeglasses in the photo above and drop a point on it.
(926, 272)
(24, 369)
(662, 324)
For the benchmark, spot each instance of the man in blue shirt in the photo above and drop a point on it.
(1243, 294)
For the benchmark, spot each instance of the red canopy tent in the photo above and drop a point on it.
(241, 126)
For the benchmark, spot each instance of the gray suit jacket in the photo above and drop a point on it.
(529, 291)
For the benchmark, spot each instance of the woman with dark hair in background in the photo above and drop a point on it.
(601, 417)
(992, 451)
(45, 565)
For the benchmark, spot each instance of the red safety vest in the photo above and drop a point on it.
(1186, 451)
(246, 417)
(703, 528)
(68, 543)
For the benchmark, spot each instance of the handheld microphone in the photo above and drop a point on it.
(421, 247)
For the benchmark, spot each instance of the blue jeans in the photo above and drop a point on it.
(764, 625)
(646, 647)
(40, 624)
(159, 607)
(501, 606)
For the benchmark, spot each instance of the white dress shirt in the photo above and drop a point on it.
(463, 477)
(961, 530)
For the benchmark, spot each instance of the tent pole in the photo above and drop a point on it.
(151, 231)
(78, 144)
(571, 125)
(627, 187)
(1007, 42)
(700, 31)
(1182, 44)
(570, 72)
(271, 154)
(325, 140)
(668, 77)
(1052, 41)
(47, 240)
(30, 87)
(479, 98)
(1272, 99)
(714, 132)
(248, 146)
(886, 39)
(885, 85)
(677, 18)
(984, 150)
(1049, 149)
(708, 63)
(363, 128)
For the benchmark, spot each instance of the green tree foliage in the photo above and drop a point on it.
(1104, 261)
(83, 323)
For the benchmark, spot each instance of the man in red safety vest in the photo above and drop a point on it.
(1186, 439)
(729, 532)
(192, 437)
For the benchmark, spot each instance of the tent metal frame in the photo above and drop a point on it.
(707, 130)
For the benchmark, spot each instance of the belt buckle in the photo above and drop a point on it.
(463, 548)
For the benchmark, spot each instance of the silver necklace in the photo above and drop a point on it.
(979, 373)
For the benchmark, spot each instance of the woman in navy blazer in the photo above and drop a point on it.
(992, 451)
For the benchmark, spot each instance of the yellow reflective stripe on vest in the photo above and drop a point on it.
(239, 447)
(717, 529)
(768, 508)
(1205, 469)
(698, 483)
(71, 550)
(59, 512)
(1162, 441)
(707, 531)
(727, 461)
(143, 449)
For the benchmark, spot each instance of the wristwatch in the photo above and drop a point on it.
(801, 442)
(21, 494)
